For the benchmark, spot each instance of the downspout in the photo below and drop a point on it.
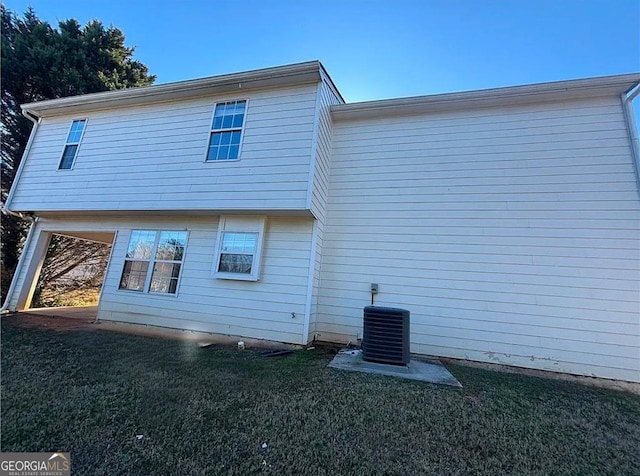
(7, 211)
(627, 99)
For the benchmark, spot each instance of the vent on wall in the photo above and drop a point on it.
(386, 335)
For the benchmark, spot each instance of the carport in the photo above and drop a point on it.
(34, 256)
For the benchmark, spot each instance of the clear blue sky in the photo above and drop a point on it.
(374, 49)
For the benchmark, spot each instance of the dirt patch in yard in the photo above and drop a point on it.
(32, 320)
(619, 385)
(203, 339)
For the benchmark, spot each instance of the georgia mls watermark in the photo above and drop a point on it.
(35, 464)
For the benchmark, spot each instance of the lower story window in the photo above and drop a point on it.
(153, 261)
(239, 248)
(238, 252)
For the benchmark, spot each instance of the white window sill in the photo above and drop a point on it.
(235, 276)
(222, 161)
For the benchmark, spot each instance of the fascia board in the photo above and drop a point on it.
(297, 74)
(560, 90)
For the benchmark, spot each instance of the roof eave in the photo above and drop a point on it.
(296, 74)
(542, 92)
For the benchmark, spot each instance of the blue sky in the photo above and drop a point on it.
(374, 49)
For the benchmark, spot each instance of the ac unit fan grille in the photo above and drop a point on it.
(386, 335)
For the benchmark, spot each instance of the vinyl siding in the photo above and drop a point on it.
(320, 182)
(511, 234)
(259, 310)
(320, 185)
(152, 158)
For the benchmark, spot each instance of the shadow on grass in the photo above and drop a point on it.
(209, 411)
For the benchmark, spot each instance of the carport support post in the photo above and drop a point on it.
(40, 245)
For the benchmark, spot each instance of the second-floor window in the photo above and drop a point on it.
(73, 142)
(226, 131)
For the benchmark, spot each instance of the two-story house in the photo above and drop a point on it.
(260, 205)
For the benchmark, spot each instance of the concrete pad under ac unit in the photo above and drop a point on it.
(424, 371)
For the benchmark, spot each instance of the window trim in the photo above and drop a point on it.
(152, 260)
(211, 130)
(240, 224)
(77, 144)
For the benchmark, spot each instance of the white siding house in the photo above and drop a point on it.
(506, 221)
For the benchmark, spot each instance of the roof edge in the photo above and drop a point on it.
(538, 92)
(332, 85)
(298, 73)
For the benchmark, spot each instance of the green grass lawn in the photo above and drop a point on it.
(209, 411)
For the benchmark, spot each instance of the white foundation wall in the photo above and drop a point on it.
(261, 310)
(512, 235)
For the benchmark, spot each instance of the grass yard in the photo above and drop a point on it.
(209, 411)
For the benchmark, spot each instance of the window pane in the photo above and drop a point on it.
(68, 155)
(235, 137)
(230, 263)
(233, 152)
(237, 120)
(141, 244)
(223, 152)
(171, 245)
(213, 153)
(229, 115)
(134, 275)
(75, 133)
(239, 242)
(165, 278)
(226, 138)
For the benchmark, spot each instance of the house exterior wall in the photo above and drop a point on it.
(320, 181)
(320, 186)
(260, 309)
(511, 234)
(153, 158)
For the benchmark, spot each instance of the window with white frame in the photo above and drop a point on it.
(226, 130)
(153, 261)
(70, 150)
(239, 248)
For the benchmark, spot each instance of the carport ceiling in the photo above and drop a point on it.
(99, 236)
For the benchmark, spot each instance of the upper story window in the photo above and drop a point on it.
(226, 130)
(73, 142)
(153, 261)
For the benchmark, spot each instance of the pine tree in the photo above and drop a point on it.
(41, 62)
